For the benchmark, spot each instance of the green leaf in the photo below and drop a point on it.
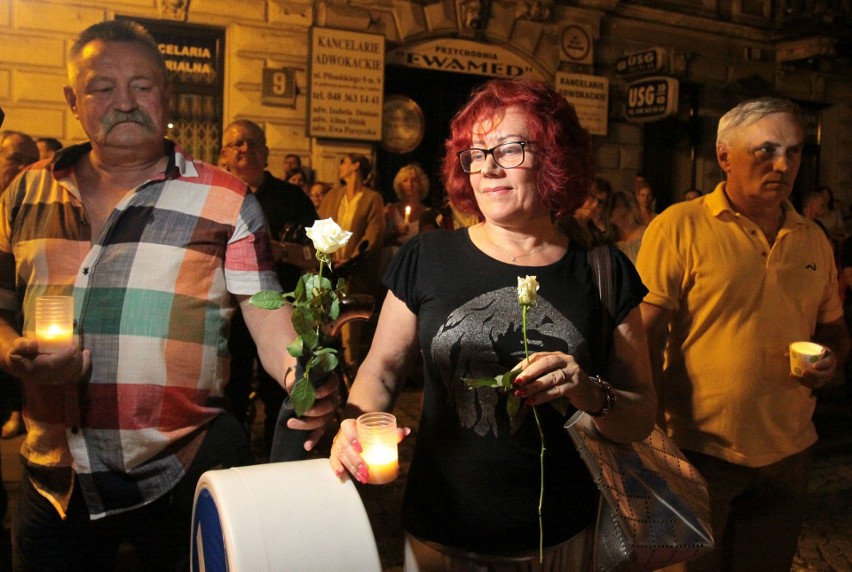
(302, 396)
(310, 340)
(297, 348)
(267, 300)
(507, 381)
(474, 382)
(301, 288)
(302, 320)
(513, 405)
(325, 362)
(334, 311)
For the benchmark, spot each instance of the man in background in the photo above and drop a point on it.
(734, 277)
(292, 164)
(813, 207)
(17, 150)
(288, 211)
(47, 147)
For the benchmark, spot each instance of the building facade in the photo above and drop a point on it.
(384, 77)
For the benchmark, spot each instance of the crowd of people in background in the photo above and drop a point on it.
(560, 212)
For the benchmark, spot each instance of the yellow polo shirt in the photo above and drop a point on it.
(737, 304)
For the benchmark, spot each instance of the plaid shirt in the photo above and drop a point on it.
(153, 300)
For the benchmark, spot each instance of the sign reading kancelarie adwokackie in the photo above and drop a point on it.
(589, 94)
(346, 84)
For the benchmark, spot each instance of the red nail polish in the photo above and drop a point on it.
(520, 393)
(356, 445)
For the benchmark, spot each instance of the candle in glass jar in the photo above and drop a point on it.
(407, 214)
(377, 435)
(54, 323)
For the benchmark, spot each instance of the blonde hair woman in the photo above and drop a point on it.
(411, 186)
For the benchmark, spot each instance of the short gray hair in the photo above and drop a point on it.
(749, 112)
(115, 31)
(250, 126)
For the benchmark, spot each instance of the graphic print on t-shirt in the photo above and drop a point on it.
(486, 333)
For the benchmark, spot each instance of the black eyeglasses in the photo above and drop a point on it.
(506, 155)
(247, 143)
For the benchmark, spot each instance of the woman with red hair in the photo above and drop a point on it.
(517, 157)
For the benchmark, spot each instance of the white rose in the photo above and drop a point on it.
(327, 236)
(527, 291)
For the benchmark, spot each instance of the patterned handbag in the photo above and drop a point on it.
(654, 508)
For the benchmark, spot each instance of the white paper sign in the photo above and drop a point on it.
(589, 94)
(346, 84)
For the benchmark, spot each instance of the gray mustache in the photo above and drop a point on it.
(136, 116)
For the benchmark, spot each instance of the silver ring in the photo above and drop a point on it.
(564, 377)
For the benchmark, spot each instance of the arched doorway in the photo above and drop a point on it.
(439, 95)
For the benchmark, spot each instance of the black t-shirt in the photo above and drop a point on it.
(283, 204)
(474, 480)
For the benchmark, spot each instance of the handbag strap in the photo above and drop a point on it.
(600, 262)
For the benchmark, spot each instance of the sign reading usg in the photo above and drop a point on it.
(651, 99)
(649, 61)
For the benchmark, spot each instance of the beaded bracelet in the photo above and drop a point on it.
(610, 397)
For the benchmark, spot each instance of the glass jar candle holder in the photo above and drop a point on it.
(377, 434)
(54, 323)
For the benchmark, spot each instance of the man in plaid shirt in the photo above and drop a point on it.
(157, 251)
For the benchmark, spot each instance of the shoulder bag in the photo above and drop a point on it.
(654, 508)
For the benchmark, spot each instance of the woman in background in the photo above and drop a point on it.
(626, 220)
(647, 204)
(318, 191)
(402, 217)
(360, 210)
(832, 217)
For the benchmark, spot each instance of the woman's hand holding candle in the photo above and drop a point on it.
(368, 463)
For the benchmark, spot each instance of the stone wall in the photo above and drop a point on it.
(728, 59)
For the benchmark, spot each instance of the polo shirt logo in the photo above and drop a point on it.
(811, 266)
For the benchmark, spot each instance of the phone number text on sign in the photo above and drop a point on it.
(346, 84)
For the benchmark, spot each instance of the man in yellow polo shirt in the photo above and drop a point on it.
(734, 277)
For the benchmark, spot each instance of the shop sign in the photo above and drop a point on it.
(279, 87)
(346, 84)
(575, 44)
(463, 56)
(190, 60)
(649, 61)
(651, 99)
(589, 95)
(194, 55)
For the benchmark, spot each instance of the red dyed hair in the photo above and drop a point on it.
(563, 148)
